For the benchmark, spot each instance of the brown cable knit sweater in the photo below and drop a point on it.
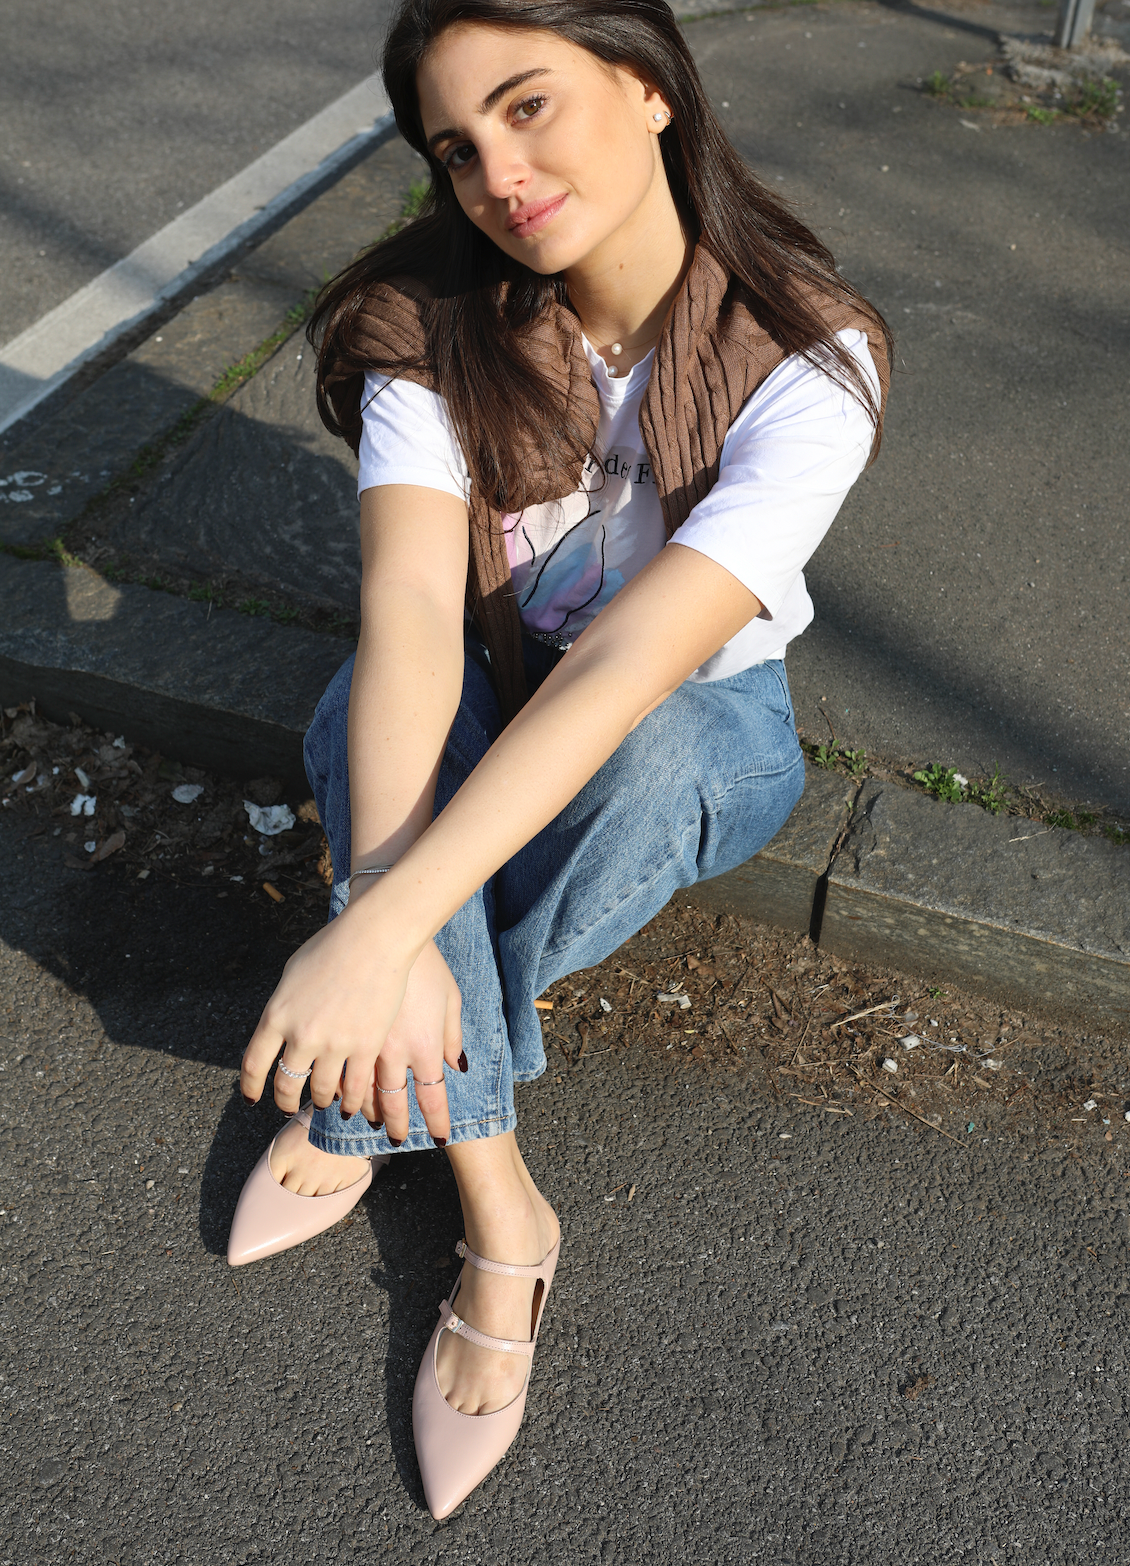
(711, 357)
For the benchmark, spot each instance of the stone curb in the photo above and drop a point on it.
(875, 873)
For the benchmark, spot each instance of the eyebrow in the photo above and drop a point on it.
(489, 102)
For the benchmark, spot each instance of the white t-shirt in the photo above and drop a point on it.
(789, 458)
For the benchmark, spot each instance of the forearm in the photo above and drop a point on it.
(407, 681)
(408, 674)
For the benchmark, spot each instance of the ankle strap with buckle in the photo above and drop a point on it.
(503, 1268)
(462, 1329)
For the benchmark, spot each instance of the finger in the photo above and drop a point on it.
(258, 1058)
(393, 1097)
(431, 1095)
(325, 1080)
(357, 1083)
(453, 1034)
(371, 1103)
(290, 1080)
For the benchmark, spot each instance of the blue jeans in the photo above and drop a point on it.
(699, 786)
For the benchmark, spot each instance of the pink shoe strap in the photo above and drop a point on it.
(456, 1324)
(504, 1268)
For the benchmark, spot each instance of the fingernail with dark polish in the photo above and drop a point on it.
(250, 1102)
(392, 1142)
(341, 1112)
(463, 1066)
(440, 1141)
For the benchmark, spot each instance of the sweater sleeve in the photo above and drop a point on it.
(406, 438)
(787, 463)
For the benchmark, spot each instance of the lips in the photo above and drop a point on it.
(535, 215)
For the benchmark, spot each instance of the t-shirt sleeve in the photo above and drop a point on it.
(406, 438)
(788, 461)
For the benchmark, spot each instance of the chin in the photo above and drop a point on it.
(554, 256)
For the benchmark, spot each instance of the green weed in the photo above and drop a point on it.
(831, 756)
(1042, 116)
(855, 761)
(938, 85)
(990, 796)
(253, 606)
(935, 993)
(942, 782)
(204, 593)
(1077, 822)
(414, 203)
(1117, 834)
(1097, 98)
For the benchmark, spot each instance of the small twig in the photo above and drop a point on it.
(855, 1016)
(887, 1099)
(803, 1036)
(828, 721)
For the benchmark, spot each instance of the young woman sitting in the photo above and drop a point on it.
(608, 395)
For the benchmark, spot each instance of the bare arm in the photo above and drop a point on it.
(407, 680)
(673, 616)
(409, 670)
(669, 619)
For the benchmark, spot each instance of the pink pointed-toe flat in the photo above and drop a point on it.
(457, 1451)
(269, 1218)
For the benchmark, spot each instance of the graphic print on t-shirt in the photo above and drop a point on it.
(570, 557)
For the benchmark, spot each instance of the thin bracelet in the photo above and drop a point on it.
(375, 870)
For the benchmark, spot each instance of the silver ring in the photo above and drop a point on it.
(400, 1089)
(299, 1076)
(434, 1083)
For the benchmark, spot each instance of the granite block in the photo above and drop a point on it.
(224, 690)
(1009, 906)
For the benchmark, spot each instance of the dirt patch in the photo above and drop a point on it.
(833, 1038)
(1034, 82)
(123, 810)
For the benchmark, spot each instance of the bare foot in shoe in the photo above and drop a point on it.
(475, 1380)
(306, 1170)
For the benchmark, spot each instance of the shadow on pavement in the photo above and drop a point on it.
(943, 18)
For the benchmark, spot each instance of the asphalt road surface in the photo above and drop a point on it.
(971, 598)
(118, 115)
(778, 1336)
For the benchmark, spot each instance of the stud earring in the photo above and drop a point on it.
(657, 118)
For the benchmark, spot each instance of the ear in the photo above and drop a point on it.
(656, 109)
(656, 113)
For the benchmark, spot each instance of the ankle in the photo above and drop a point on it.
(497, 1220)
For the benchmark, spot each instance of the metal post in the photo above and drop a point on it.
(1073, 23)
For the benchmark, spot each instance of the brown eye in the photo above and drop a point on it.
(528, 108)
(459, 157)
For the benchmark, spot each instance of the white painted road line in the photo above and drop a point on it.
(39, 360)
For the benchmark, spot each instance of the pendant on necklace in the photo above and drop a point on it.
(617, 347)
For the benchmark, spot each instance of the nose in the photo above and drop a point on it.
(503, 172)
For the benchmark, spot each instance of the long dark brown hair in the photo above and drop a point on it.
(482, 302)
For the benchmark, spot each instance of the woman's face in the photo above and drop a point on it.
(552, 153)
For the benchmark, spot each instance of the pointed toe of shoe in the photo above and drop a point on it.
(269, 1218)
(456, 1451)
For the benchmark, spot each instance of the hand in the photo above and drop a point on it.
(425, 1034)
(334, 1008)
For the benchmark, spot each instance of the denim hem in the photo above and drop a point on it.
(414, 1142)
